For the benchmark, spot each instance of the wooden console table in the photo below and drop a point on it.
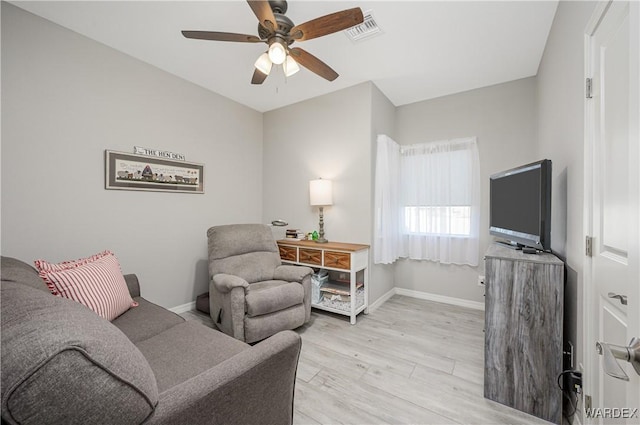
(348, 259)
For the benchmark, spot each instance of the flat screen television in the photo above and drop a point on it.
(520, 205)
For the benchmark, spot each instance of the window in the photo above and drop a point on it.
(454, 221)
(427, 201)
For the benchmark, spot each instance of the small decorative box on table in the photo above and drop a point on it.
(347, 291)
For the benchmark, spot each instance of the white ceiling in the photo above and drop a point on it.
(427, 49)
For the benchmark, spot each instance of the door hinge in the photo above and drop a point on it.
(589, 88)
(588, 246)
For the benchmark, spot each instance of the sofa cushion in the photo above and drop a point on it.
(185, 351)
(96, 281)
(14, 270)
(272, 295)
(61, 363)
(146, 320)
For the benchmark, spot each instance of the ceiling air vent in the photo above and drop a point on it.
(367, 29)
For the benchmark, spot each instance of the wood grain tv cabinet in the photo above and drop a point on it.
(523, 331)
(347, 262)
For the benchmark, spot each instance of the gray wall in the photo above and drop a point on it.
(333, 137)
(561, 138)
(65, 100)
(503, 118)
(383, 117)
(329, 137)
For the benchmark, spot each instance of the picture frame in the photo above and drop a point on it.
(128, 171)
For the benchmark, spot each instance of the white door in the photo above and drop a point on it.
(612, 187)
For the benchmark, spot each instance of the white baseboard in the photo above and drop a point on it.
(377, 303)
(440, 298)
(179, 309)
(384, 298)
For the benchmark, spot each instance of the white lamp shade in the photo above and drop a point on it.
(320, 192)
(277, 53)
(263, 64)
(290, 66)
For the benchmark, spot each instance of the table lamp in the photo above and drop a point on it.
(321, 195)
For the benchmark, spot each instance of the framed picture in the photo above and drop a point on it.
(127, 171)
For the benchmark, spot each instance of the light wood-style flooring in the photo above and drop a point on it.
(409, 362)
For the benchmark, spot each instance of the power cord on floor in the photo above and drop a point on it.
(576, 386)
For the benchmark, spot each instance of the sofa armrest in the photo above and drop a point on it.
(291, 273)
(255, 386)
(132, 284)
(226, 282)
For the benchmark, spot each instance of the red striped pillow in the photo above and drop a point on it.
(96, 281)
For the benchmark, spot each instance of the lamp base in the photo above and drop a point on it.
(321, 238)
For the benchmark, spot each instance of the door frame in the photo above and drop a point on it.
(589, 141)
(588, 332)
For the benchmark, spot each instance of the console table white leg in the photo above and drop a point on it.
(352, 291)
(366, 290)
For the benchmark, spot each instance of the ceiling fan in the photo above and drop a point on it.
(279, 32)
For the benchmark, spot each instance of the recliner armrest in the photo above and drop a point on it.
(291, 273)
(253, 387)
(226, 282)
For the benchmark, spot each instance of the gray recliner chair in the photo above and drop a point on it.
(251, 294)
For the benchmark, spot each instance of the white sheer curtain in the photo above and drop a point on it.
(427, 200)
(387, 229)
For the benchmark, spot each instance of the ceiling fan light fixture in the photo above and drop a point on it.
(277, 52)
(290, 66)
(278, 32)
(263, 64)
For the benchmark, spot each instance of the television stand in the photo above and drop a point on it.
(524, 302)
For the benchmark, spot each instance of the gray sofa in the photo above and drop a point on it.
(63, 364)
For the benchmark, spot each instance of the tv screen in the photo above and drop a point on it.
(520, 205)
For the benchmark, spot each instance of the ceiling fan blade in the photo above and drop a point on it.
(258, 77)
(313, 64)
(327, 24)
(263, 12)
(221, 36)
